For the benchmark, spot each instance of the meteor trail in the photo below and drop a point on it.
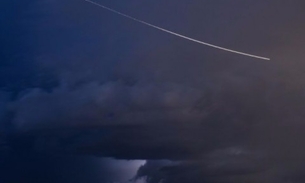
(176, 34)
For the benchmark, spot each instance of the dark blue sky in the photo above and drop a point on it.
(78, 82)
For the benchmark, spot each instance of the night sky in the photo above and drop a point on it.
(87, 96)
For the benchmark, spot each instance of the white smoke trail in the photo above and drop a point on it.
(176, 34)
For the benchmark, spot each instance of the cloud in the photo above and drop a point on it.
(214, 167)
(228, 165)
(117, 89)
(235, 135)
(101, 104)
(139, 121)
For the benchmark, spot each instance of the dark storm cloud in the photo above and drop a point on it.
(142, 116)
(223, 165)
(84, 81)
(109, 103)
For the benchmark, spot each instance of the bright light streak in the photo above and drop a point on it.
(176, 34)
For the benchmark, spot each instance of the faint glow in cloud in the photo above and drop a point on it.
(123, 170)
(176, 34)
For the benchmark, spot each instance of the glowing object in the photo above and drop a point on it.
(176, 34)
